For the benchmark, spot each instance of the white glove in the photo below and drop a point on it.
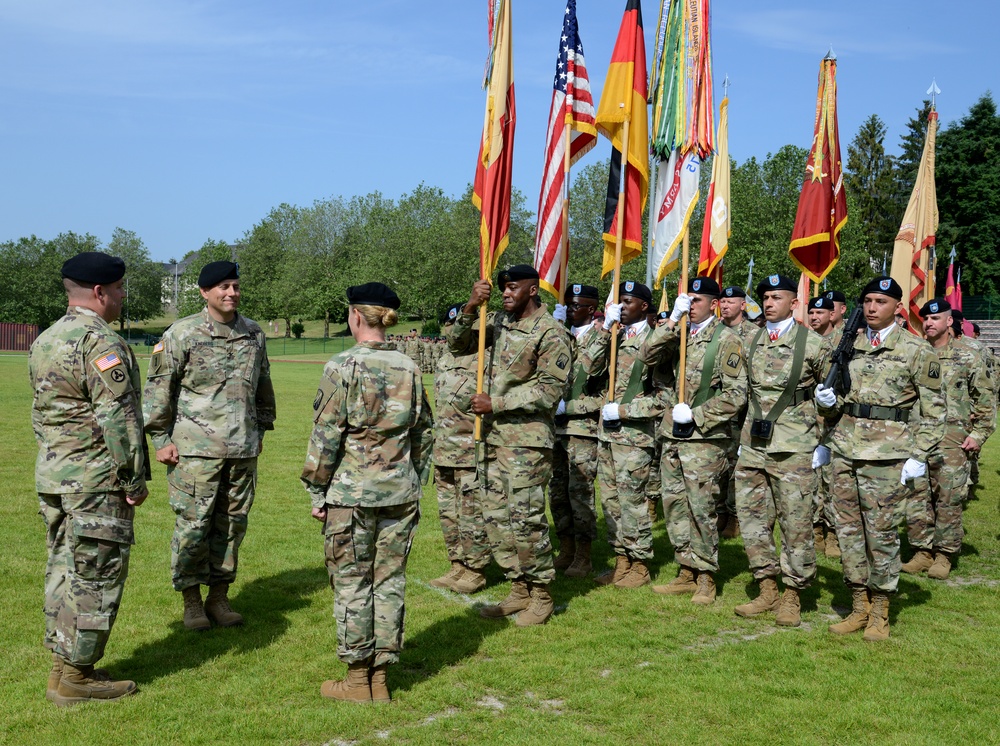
(612, 315)
(739, 451)
(559, 312)
(821, 456)
(682, 414)
(682, 305)
(609, 412)
(561, 407)
(827, 397)
(912, 469)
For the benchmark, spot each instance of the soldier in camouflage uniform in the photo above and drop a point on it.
(208, 401)
(459, 506)
(528, 365)
(839, 301)
(934, 511)
(775, 476)
(625, 436)
(890, 419)
(694, 454)
(370, 446)
(90, 473)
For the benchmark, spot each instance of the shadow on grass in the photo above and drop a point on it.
(264, 602)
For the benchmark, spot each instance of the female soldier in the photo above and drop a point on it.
(370, 444)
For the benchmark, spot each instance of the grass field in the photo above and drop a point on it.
(611, 667)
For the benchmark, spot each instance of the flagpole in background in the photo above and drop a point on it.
(616, 278)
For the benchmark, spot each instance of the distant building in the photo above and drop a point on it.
(174, 284)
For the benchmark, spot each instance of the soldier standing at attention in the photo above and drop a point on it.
(526, 375)
(934, 515)
(839, 301)
(208, 401)
(90, 474)
(459, 506)
(732, 307)
(820, 318)
(891, 417)
(696, 433)
(775, 474)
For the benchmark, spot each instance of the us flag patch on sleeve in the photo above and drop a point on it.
(158, 347)
(108, 361)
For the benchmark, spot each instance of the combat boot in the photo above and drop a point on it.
(767, 600)
(832, 544)
(567, 551)
(378, 684)
(789, 610)
(194, 611)
(469, 581)
(582, 565)
(517, 600)
(636, 577)
(878, 619)
(622, 564)
(218, 609)
(682, 585)
(818, 539)
(539, 609)
(353, 688)
(705, 595)
(98, 674)
(80, 684)
(858, 618)
(448, 579)
(941, 567)
(732, 529)
(919, 562)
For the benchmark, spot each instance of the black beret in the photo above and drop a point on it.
(451, 313)
(935, 305)
(94, 267)
(975, 328)
(583, 291)
(776, 282)
(215, 272)
(835, 295)
(957, 314)
(704, 286)
(883, 286)
(372, 294)
(636, 290)
(734, 291)
(821, 302)
(517, 272)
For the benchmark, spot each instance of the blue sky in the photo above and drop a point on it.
(188, 120)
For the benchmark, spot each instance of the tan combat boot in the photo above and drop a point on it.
(818, 541)
(80, 684)
(448, 579)
(919, 562)
(636, 577)
(582, 565)
(878, 619)
(789, 610)
(378, 684)
(517, 600)
(832, 544)
(98, 674)
(540, 608)
(767, 600)
(469, 581)
(194, 611)
(218, 609)
(941, 567)
(858, 618)
(622, 564)
(353, 688)
(705, 595)
(732, 529)
(682, 585)
(567, 551)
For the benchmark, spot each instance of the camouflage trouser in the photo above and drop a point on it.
(624, 472)
(512, 484)
(973, 469)
(461, 513)
(781, 491)
(653, 487)
(725, 499)
(934, 508)
(571, 491)
(212, 498)
(868, 503)
(89, 536)
(822, 513)
(689, 476)
(366, 551)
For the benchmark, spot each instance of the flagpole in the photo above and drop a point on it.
(564, 259)
(619, 240)
(682, 366)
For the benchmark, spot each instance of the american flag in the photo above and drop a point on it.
(573, 105)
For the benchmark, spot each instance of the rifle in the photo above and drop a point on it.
(841, 358)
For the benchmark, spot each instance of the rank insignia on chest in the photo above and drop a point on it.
(108, 361)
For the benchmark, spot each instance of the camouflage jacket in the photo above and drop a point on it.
(583, 411)
(746, 330)
(988, 357)
(208, 390)
(903, 372)
(372, 430)
(968, 395)
(87, 411)
(640, 416)
(454, 423)
(769, 365)
(527, 377)
(728, 382)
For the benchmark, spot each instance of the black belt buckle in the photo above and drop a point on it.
(762, 429)
(683, 429)
(865, 411)
(562, 420)
(612, 425)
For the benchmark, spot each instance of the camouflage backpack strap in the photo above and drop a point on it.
(704, 392)
(798, 358)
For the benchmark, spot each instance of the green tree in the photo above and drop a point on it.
(143, 278)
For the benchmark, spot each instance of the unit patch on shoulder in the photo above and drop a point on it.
(561, 362)
(934, 370)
